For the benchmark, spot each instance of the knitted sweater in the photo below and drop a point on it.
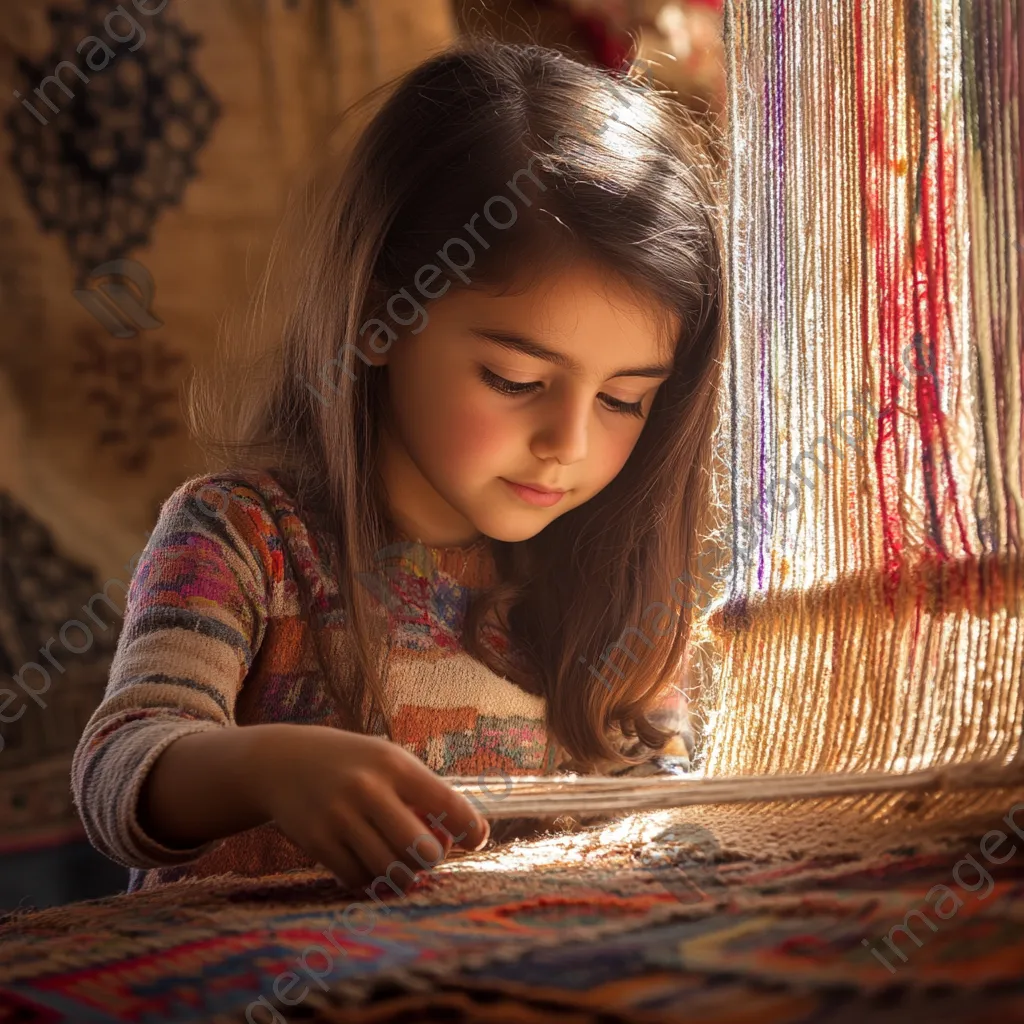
(213, 638)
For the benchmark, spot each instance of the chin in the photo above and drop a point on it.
(510, 530)
(509, 521)
(513, 536)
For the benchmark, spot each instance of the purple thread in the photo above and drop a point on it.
(762, 532)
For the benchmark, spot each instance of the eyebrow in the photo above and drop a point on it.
(530, 347)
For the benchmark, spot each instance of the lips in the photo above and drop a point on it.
(538, 487)
(543, 497)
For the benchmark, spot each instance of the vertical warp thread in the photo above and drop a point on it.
(875, 237)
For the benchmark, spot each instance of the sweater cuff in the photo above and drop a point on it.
(143, 850)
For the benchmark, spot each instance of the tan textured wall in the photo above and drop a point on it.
(176, 153)
(102, 434)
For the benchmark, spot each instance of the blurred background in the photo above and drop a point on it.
(148, 149)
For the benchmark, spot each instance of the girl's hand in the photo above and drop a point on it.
(360, 803)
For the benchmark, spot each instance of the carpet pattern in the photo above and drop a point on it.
(651, 917)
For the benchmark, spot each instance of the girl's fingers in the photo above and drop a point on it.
(414, 841)
(452, 810)
(373, 847)
(437, 831)
(342, 863)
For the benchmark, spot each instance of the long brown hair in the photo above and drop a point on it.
(620, 176)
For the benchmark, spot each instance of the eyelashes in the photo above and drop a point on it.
(510, 387)
(506, 387)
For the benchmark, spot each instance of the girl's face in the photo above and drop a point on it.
(546, 389)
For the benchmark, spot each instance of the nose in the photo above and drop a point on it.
(561, 432)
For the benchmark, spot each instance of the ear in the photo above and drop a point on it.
(371, 358)
(375, 340)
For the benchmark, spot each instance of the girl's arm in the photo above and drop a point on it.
(194, 618)
(360, 805)
(179, 808)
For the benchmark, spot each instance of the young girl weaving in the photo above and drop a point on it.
(462, 501)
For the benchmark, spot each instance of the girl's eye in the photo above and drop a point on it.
(507, 387)
(511, 387)
(628, 408)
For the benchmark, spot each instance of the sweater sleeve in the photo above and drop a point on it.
(194, 618)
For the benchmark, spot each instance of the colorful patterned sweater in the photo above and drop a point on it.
(213, 638)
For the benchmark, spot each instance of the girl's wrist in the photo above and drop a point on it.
(205, 785)
(262, 757)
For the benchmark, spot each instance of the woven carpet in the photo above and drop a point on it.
(652, 917)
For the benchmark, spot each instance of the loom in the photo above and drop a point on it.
(868, 639)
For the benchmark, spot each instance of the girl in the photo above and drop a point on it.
(460, 494)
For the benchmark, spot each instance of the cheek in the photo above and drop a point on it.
(476, 434)
(616, 449)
